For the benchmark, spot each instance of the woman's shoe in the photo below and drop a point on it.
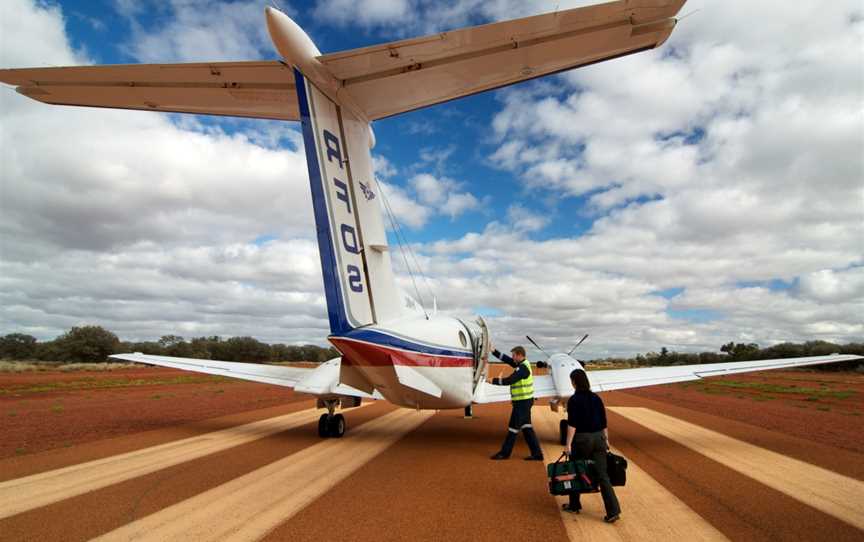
(566, 508)
(612, 519)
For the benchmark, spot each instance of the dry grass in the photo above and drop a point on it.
(41, 366)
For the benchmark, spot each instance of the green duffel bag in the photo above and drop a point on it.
(568, 476)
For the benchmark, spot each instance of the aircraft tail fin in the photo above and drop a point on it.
(358, 277)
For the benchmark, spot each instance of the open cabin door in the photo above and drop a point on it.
(480, 344)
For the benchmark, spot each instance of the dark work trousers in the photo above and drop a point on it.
(520, 420)
(594, 446)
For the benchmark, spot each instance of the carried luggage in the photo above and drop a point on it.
(616, 466)
(568, 476)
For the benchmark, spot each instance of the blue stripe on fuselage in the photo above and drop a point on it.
(383, 339)
(332, 292)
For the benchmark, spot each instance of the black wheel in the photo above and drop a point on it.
(336, 426)
(562, 427)
(323, 426)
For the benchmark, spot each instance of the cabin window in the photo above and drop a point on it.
(463, 339)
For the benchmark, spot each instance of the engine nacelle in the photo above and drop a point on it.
(560, 367)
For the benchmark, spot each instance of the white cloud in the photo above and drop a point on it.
(830, 286)
(718, 164)
(383, 167)
(145, 225)
(411, 17)
(199, 30)
(526, 220)
(362, 12)
(443, 195)
(405, 208)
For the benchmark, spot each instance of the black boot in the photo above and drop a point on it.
(507, 446)
(533, 444)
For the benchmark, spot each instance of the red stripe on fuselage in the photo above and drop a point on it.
(363, 354)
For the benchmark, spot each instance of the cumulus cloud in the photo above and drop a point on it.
(722, 174)
(409, 17)
(363, 12)
(442, 194)
(726, 158)
(145, 224)
(198, 31)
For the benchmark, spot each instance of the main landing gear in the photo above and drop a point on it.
(331, 425)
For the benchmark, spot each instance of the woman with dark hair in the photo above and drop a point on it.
(587, 438)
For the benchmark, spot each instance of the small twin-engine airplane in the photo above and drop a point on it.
(391, 349)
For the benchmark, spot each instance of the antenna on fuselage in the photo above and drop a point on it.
(577, 345)
(538, 346)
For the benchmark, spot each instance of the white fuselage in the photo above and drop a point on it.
(416, 362)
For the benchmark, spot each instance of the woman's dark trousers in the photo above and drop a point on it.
(593, 446)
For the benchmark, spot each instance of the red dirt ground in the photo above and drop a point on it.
(50, 410)
(824, 419)
(436, 480)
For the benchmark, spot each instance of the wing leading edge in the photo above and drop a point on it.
(621, 379)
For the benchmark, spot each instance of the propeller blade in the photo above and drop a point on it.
(577, 345)
(538, 346)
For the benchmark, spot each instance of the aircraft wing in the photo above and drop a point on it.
(621, 379)
(243, 89)
(392, 78)
(489, 393)
(322, 380)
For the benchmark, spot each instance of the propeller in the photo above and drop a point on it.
(540, 348)
(577, 345)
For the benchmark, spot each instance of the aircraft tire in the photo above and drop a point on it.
(323, 426)
(562, 429)
(336, 426)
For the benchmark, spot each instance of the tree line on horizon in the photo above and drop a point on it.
(94, 344)
(733, 351)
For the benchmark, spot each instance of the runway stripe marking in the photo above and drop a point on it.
(640, 499)
(827, 491)
(29, 492)
(250, 506)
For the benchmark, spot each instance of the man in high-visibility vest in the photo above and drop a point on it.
(521, 382)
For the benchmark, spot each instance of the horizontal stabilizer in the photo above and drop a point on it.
(259, 89)
(393, 78)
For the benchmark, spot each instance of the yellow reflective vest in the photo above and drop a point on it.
(523, 389)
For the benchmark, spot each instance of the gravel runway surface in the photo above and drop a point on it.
(399, 474)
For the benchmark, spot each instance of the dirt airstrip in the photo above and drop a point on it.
(178, 455)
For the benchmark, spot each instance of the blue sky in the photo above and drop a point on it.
(705, 192)
(460, 129)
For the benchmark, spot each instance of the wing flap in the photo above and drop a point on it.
(392, 78)
(243, 89)
(621, 379)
